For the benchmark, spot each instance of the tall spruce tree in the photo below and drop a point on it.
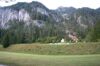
(6, 40)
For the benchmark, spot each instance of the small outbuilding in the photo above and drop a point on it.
(62, 40)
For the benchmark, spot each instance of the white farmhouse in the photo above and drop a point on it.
(62, 40)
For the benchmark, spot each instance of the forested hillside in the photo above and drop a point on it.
(33, 22)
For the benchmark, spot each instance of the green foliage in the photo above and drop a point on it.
(49, 40)
(6, 40)
(94, 34)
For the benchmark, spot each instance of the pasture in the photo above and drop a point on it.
(55, 49)
(80, 54)
(21, 59)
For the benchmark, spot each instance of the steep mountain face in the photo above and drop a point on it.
(84, 17)
(81, 19)
(20, 11)
(58, 22)
(27, 12)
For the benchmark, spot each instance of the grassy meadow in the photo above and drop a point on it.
(21, 59)
(80, 54)
(54, 49)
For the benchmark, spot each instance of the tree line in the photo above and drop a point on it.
(19, 33)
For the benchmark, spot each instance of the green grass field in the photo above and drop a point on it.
(20, 59)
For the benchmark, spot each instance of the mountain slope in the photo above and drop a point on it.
(32, 21)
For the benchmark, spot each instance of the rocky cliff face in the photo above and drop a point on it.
(10, 14)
